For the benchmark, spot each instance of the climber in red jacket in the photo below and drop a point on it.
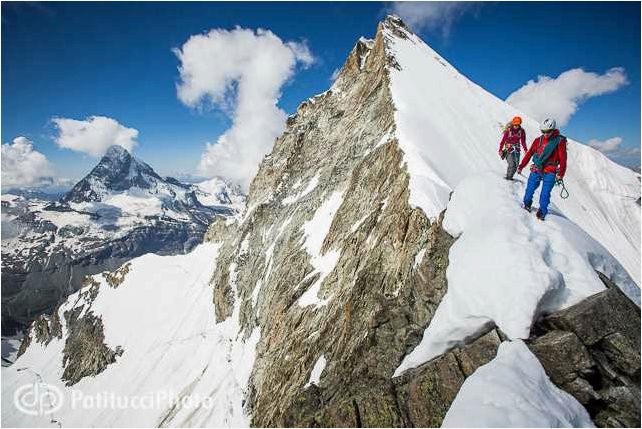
(509, 147)
(549, 165)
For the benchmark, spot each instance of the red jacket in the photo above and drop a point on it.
(556, 162)
(513, 138)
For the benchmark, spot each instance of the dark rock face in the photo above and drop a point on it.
(389, 275)
(419, 398)
(85, 353)
(34, 289)
(116, 171)
(592, 351)
(43, 330)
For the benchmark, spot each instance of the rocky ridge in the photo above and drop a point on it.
(360, 303)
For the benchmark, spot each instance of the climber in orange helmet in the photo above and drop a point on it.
(509, 148)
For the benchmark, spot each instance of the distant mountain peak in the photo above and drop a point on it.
(116, 151)
(117, 171)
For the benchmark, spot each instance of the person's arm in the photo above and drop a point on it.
(561, 153)
(527, 157)
(523, 139)
(503, 142)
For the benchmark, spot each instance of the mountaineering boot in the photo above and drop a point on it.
(539, 215)
(526, 207)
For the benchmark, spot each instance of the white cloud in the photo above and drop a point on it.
(606, 146)
(613, 149)
(241, 72)
(559, 98)
(433, 16)
(22, 166)
(93, 135)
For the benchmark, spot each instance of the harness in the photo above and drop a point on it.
(512, 144)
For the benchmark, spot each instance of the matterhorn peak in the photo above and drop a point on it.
(116, 151)
(116, 171)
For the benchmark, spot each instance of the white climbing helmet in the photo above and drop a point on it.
(548, 125)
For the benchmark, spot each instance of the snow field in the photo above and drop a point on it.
(162, 317)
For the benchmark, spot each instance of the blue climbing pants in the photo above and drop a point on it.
(548, 180)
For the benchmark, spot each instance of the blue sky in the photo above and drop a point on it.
(75, 60)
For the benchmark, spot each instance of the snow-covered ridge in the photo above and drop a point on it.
(449, 128)
(508, 273)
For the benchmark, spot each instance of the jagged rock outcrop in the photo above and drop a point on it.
(388, 261)
(592, 351)
(85, 353)
(419, 398)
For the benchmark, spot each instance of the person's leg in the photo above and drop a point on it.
(512, 165)
(545, 196)
(531, 187)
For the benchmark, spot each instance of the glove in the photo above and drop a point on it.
(558, 177)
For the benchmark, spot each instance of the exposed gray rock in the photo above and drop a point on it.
(606, 321)
(43, 330)
(592, 351)
(420, 398)
(564, 354)
(85, 353)
(390, 272)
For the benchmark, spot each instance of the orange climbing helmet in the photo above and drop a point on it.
(516, 121)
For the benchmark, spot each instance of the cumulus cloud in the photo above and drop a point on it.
(434, 15)
(606, 146)
(241, 72)
(94, 135)
(560, 97)
(22, 166)
(613, 149)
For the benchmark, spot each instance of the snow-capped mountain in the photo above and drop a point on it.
(120, 210)
(117, 171)
(382, 274)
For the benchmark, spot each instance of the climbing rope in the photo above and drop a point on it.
(563, 192)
